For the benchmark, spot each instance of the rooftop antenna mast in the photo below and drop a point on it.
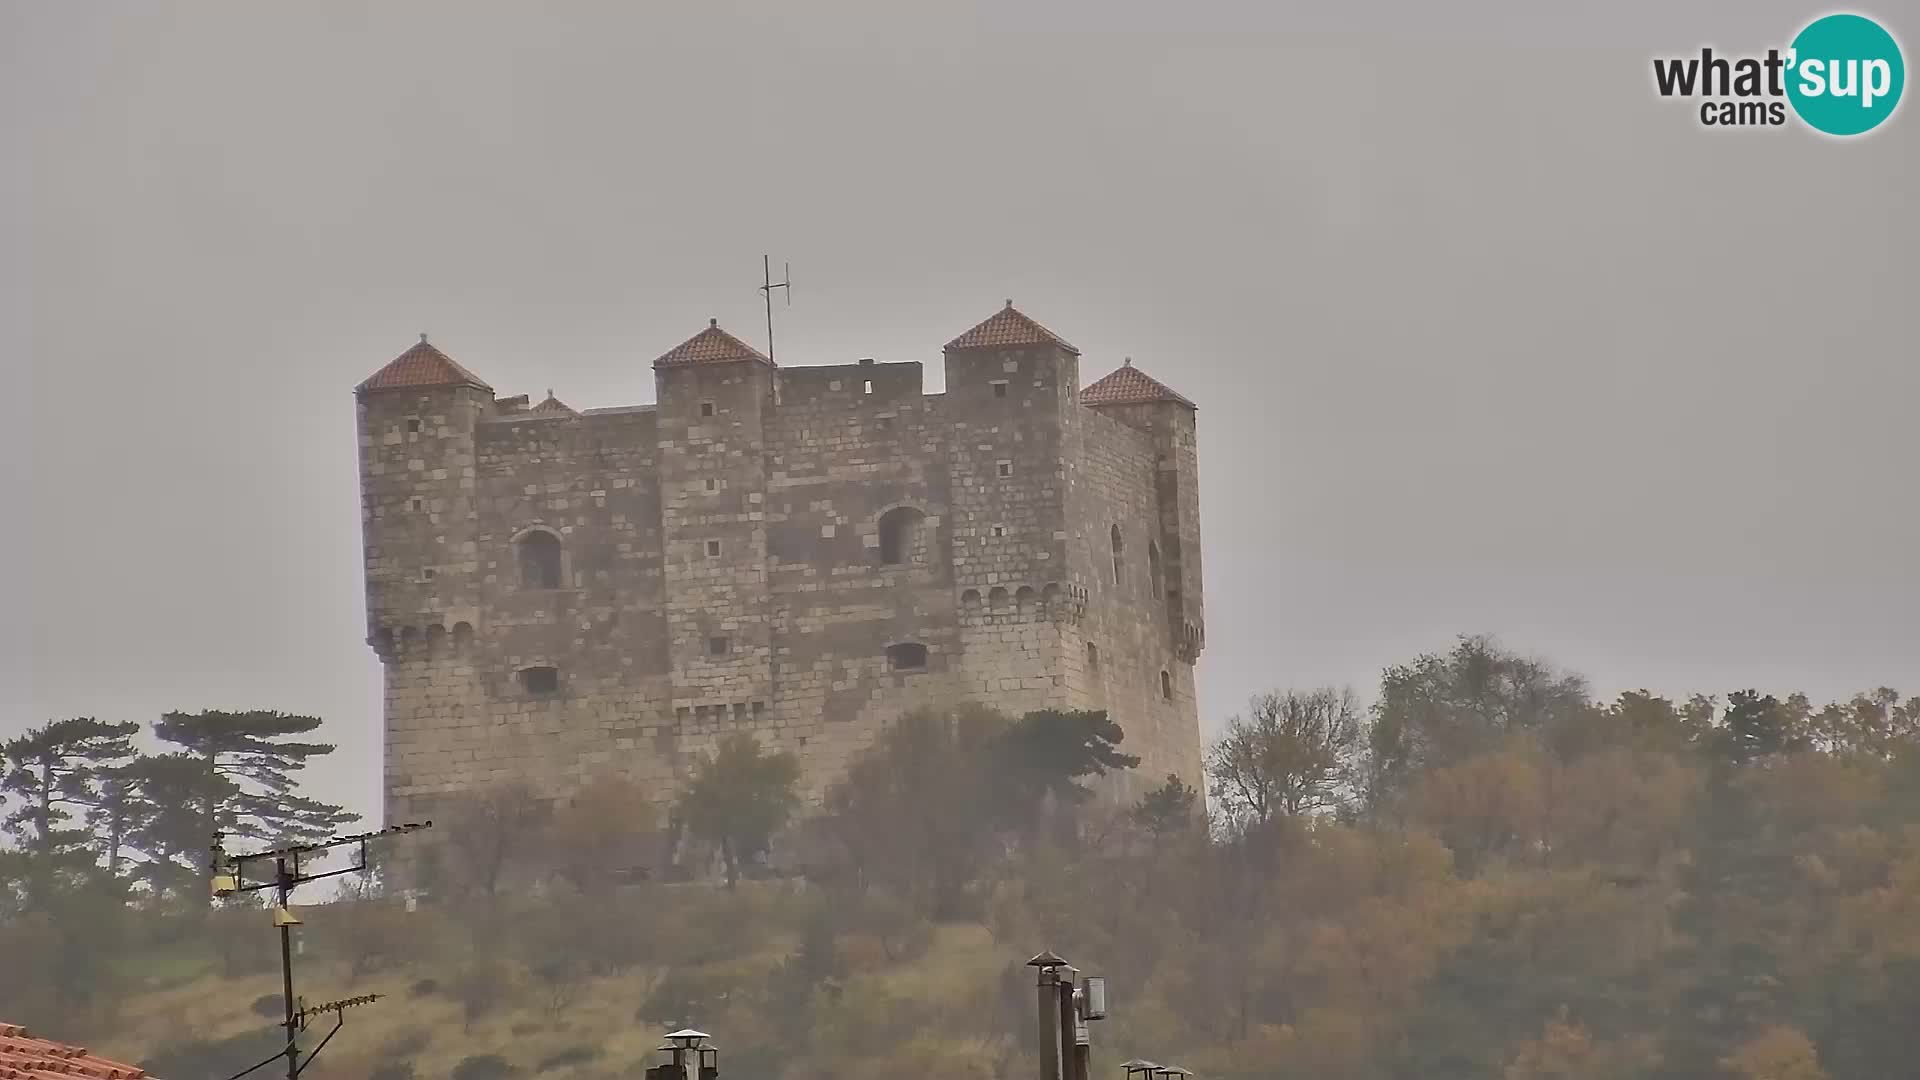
(229, 874)
(767, 285)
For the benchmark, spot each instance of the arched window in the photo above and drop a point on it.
(462, 634)
(1166, 686)
(1153, 568)
(907, 656)
(1116, 554)
(970, 600)
(436, 639)
(540, 560)
(900, 536)
(1023, 599)
(997, 599)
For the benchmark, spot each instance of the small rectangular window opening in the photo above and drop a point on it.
(706, 408)
(713, 549)
(712, 484)
(426, 574)
(540, 681)
(999, 388)
(718, 646)
(1003, 468)
(999, 530)
(413, 423)
(416, 503)
(866, 386)
(907, 657)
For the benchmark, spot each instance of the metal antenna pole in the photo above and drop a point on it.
(767, 285)
(230, 876)
(283, 888)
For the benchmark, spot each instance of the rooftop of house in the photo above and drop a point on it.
(23, 1057)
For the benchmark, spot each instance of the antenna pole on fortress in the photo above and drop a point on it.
(767, 285)
(230, 877)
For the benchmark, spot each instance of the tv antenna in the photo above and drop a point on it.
(230, 876)
(767, 285)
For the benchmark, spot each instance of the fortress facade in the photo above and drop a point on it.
(803, 553)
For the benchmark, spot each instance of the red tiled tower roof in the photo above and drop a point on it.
(23, 1057)
(553, 406)
(422, 365)
(710, 346)
(1128, 385)
(1008, 328)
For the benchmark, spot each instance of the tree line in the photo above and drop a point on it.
(1483, 871)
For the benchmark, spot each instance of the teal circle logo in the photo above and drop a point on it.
(1845, 74)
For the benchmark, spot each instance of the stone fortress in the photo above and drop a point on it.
(804, 553)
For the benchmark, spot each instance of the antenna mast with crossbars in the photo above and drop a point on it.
(767, 285)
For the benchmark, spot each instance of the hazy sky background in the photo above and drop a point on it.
(1485, 336)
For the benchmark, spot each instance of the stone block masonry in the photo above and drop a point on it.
(802, 553)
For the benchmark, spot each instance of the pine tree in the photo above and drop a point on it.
(247, 760)
(54, 769)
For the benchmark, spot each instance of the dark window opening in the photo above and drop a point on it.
(426, 574)
(907, 657)
(1004, 468)
(1153, 569)
(416, 503)
(1166, 686)
(713, 549)
(999, 530)
(413, 423)
(540, 560)
(706, 408)
(999, 389)
(718, 646)
(540, 681)
(1093, 657)
(712, 484)
(1117, 546)
(900, 530)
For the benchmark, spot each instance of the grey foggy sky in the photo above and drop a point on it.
(1485, 337)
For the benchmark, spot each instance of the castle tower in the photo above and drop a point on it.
(1010, 403)
(417, 417)
(715, 394)
(1142, 551)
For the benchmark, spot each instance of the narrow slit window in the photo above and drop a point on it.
(1166, 687)
(1093, 657)
(712, 484)
(866, 386)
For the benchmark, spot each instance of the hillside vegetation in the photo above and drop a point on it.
(1482, 873)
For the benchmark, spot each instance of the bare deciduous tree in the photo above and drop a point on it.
(1294, 753)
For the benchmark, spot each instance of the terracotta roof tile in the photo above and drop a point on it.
(1008, 328)
(422, 365)
(23, 1057)
(710, 346)
(1128, 385)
